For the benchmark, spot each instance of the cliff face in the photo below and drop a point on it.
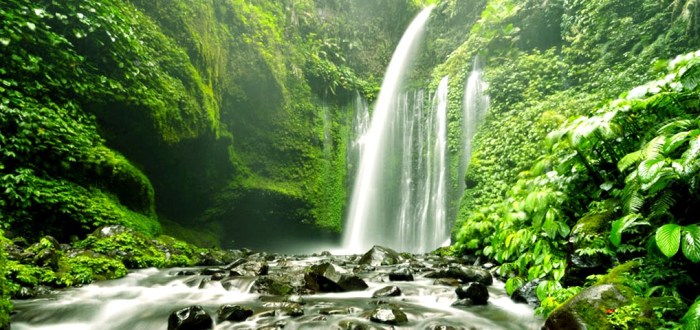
(203, 114)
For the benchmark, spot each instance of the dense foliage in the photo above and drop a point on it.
(606, 185)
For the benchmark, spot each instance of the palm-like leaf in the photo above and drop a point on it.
(675, 141)
(629, 160)
(619, 226)
(662, 204)
(654, 148)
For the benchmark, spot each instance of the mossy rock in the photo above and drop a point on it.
(589, 309)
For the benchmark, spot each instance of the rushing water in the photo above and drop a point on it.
(475, 105)
(373, 211)
(144, 299)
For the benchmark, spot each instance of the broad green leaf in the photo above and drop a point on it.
(675, 141)
(668, 239)
(513, 284)
(619, 225)
(649, 169)
(691, 319)
(691, 243)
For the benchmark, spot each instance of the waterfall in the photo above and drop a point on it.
(475, 104)
(373, 212)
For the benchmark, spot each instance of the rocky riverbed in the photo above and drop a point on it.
(378, 290)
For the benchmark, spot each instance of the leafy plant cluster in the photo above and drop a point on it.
(5, 303)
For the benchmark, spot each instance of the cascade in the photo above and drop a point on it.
(475, 105)
(396, 194)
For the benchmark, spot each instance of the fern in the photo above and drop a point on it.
(649, 169)
(661, 205)
(654, 148)
(675, 141)
(629, 160)
(675, 126)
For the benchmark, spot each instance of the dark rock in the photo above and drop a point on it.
(388, 291)
(326, 254)
(235, 264)
(285, 308)
(379, 255)
(587, 310)
(217, 276)
(212, 271)
(447, 282)
(234, 313)
(45, 253)
(388, 315)
(33, 292)
(527, 293)
(580, 267)
(403, 274)
(442, 327)
(354, 325)
(465, 274)
(190, 318)
(352, 283)
(324, 278)
(273, 286)
(474, 291)
(204, 283)
(186, 273)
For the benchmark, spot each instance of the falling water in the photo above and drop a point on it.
(476, 104)
(372, 216)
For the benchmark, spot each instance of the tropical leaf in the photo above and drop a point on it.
(691, 155)
(662, 204)
(632, 199)
(668, 239)
(675, 126)
(629, 160)
(653, 149)
(513, 284)
(619, 226)
(691, 319)
(691, 243)
(675, 141)
(691, 77)
(649, 169)
(661, 181)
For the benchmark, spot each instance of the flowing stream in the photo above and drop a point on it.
(399, 194)
(475, 105)
(145, 298)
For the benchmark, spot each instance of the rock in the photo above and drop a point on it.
(388, 291)
(212, 271)
(324, 278)
(218, 276)
(474, 291)
(580, 267)
(403, 274)
(45, 253)
(354, 325)
(234, 313)
(285, 308)
(273, 286)
(587, 310)
(447, 281)
(442, 327)
(388, 315)
(190, 318)
(109, 231)
(33, 292)
(186, 272)
(352, 283)
(379, 256)
(465, 274)
(527, 293)
(235, 263)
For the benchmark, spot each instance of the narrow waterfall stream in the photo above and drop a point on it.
(475, 105)
(399, 195)
(146, 298)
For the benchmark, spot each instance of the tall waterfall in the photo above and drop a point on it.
(397, 189)
(475, 105)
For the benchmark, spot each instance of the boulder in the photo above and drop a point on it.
(324, 278)
(284, 308)
(234, 313)
(388, 315)
(527, 293)
(379, 255)
(474, 291)
(465, 274)
(403, 274)
(387, 291)
(587, 310)
(352, 283)
(45, 253)
(580, 267)
(190, 318)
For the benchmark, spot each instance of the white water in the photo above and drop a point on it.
(145, 298)
(372, 218)
(476, 104)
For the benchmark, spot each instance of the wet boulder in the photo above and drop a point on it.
(587, 310)
(379, 256)
(474, 291)
(403, 274)
(352, 283)
(465, 274)
(527, 293)
(190, 318)
(45, 253)
(234, 313)
(387, 314)
(387, 291)
(580, 267)
(328, 277)
(284, 308)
